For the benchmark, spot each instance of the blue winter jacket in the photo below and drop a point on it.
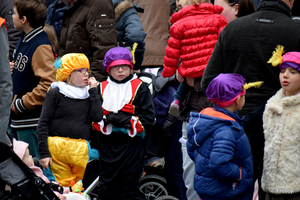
(55, 14)
(130, 28)
(219, 147)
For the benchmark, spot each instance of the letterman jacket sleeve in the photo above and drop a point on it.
(42, 65)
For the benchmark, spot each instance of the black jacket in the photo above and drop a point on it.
(246, 44)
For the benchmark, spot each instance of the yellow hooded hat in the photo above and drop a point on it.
(69, 62)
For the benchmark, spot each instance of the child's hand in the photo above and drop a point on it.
(179, 77)
(13, 108)
(92, 82)
(12, 65)
(62, 197)
(190, 81)
(45, 162)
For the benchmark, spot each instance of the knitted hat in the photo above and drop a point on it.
(290, 59)
(69, 62)
(226, 88)
(117, 56)
(20, 148)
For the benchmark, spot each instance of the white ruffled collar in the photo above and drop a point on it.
(116, 95)
(71, 91)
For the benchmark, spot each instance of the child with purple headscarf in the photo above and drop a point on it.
(218, 144)
(128, 115)
(281, 169)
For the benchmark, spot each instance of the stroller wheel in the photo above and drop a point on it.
(153, 186)
(166, 197)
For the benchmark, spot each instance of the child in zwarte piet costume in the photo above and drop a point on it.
(128, 114)
(218, 144)
(68, 111)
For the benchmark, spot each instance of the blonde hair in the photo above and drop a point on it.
(49, 29)
(196, 2)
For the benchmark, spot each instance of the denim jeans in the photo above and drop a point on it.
(181, 92)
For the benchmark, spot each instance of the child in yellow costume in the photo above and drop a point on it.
(69, 108)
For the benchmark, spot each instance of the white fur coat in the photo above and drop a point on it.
(281, 123)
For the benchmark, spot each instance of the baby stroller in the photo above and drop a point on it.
(22, 180)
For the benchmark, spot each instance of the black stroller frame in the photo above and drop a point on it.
(23, 181)
(152, 185)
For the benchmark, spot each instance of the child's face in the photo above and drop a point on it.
(79, 77)
(16, 19)
(241, 103)
(27, 159)
(119, 72)
(290, 81)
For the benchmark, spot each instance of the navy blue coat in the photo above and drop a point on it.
(130, 28)
(219, 147)
(55, 14)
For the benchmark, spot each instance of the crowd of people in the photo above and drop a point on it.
(225, 103)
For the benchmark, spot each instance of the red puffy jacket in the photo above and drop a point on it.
(194, 33)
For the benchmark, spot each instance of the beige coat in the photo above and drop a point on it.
(281, 123)
(155, 20)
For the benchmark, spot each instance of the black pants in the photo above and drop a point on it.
(121, 164)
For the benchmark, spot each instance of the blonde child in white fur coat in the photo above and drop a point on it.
(281, 123)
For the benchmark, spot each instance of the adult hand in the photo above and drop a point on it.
(179, 77)
(92, 82)
(12, 65)
(190, 81)
(45, 162)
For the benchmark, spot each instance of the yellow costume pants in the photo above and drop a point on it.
(69, 159)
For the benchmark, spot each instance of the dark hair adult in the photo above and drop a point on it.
(234, 9)
(246, 44)
(246, 7)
